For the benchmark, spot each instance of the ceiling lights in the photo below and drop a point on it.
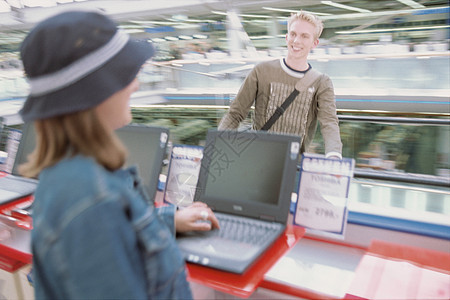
(411, 3)
(338, 5)
(293, 11)
(4, 7)
(393, 29)
(240, 15)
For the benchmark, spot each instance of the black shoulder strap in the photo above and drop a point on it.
(280, 110)
(301, 85)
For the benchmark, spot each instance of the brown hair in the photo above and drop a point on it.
(308, 17)
(77, 133)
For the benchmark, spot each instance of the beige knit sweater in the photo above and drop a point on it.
(268, 85)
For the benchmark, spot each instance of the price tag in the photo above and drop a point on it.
(183, 174)
(12, 145)
(323, 193)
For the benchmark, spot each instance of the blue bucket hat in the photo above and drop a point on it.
(76, 60)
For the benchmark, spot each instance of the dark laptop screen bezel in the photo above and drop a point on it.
(26, 146)
(159, 137)
(275, 212)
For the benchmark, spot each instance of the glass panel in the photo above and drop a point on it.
(363, 74)
(422, 149)
(414, 199)
(408, 73)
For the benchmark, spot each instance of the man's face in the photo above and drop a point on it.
(300, 39)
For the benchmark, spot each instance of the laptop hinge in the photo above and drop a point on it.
(267, 218)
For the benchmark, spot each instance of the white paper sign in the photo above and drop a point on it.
(323, 193)
(182, 177)
(12, 145)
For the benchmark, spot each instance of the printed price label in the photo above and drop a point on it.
(183, 174)
(323, 193)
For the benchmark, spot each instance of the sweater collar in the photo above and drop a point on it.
(292, 72)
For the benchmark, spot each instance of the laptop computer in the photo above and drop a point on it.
(146, 147)
(13, 186)
(248, 176)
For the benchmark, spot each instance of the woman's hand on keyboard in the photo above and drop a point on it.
(198, 216)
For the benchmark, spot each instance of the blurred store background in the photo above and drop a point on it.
(389, 62)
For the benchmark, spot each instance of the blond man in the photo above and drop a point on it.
(269, 84)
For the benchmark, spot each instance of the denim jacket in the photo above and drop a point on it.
(96, 236)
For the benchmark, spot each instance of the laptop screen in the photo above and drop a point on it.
(249, 173)
(146, 147)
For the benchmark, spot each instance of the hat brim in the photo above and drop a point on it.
(92, 89)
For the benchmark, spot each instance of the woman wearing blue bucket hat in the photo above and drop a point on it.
(95, 235)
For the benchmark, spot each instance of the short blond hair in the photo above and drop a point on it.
(308, 17)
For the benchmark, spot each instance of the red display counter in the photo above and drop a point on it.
(300, 266)
(15, 237)
(392, 271)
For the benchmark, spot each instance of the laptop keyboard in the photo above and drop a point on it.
(233, 247)
(249, 231)
(17, 184)
(13, 187)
